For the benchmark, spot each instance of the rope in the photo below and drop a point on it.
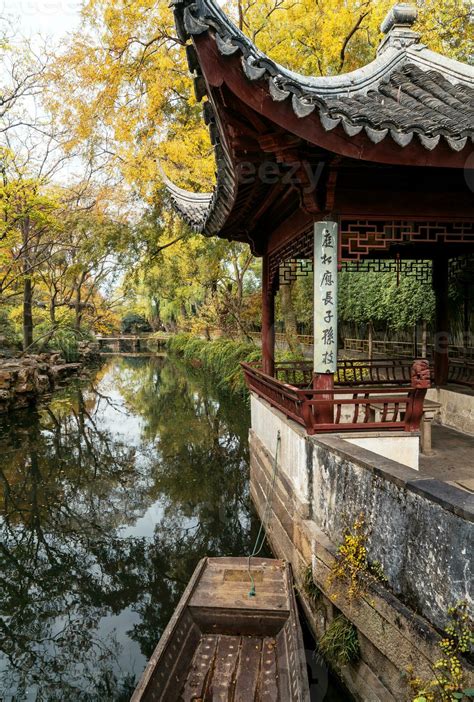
(260, 540)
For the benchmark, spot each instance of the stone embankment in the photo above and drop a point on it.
(24, 379)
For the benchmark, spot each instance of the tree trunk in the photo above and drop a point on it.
(27, 287)
(238, 298)
(77, 308)
(424, 339)
(371, 341)
(289, 318)
(52, 309)
(155, 320)
(27, 313)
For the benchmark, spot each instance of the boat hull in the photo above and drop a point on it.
(224, 644)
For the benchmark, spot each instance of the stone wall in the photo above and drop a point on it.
(420, 531)
(457, 407)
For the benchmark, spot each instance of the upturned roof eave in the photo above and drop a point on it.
(311, 98)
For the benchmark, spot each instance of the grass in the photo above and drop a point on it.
(221, 357)
(340, 644)
(308, 586)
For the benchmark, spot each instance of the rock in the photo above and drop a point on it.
(64, 370)
(24, 379)
(6, 379)
(56, 359)
(21, 401)
(88, 351)
(43, 384)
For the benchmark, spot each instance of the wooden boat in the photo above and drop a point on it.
(224, 645)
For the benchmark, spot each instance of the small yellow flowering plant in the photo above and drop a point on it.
(448, 684)
(351, 564)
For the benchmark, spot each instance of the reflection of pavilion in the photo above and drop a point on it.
(380, 157)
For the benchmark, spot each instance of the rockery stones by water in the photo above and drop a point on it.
(24, 379)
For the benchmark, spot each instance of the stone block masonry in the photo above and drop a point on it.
(420, 530)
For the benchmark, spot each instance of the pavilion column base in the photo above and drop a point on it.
(325, 381)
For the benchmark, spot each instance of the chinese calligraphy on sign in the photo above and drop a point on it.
(325, 297)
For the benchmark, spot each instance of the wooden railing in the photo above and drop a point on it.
(349, 372)
(461, 362)
(386, 371)
(405, 349)
(383, 371)
(351, 408)
(296, 373)
(394, 348)
(461, 372)
(303, 339)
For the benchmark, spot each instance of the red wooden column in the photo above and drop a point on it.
(325, 315)
(441, 336)
(268, 320)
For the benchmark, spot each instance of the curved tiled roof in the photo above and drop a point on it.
(193, 207)
(408, 92)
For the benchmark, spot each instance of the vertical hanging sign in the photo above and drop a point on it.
(325, 297)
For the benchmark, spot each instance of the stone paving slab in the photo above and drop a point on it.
(453, 458)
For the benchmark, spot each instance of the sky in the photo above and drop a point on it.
(52, 18)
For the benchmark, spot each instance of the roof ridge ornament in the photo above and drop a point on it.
(397, 27)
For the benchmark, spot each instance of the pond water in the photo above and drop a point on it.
(109, 496)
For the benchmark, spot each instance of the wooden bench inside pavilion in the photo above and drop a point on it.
(366, 171)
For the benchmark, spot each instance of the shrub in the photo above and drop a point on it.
(8, 333)
(133, 323)
(351, 565)
(308, 586)
(65, 341)
(449, 679)
(221, 357)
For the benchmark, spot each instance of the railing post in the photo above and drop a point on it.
(307, 416)
(420, 382)
(371, 341)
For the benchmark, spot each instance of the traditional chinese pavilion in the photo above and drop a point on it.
(371, 170)
(382, 157)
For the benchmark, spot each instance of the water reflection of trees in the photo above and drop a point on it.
(68, 484)
(201, 477)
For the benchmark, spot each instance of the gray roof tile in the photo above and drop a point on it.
(407, 92)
